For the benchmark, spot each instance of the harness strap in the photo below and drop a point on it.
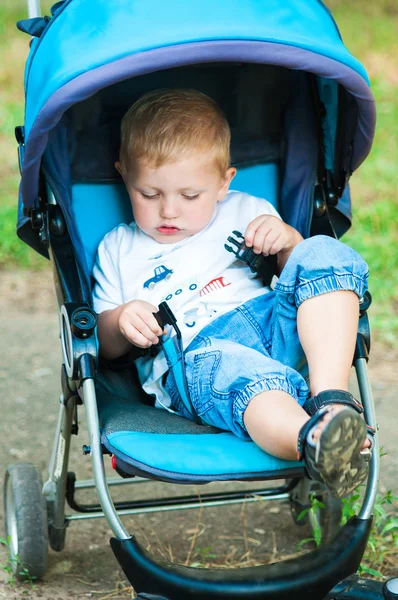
(174, 353)
(313, 404)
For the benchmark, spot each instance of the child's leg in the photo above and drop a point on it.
(273, 420)
(327, 327)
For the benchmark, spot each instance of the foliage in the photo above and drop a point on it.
(13, 564)
(382, 548)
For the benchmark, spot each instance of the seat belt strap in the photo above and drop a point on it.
(174, 353)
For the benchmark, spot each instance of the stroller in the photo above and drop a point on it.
(302, 118)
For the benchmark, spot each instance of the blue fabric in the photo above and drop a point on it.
(256, 348)
(75, 43)
(301, 158)
(215, 456)
(261, 181)
(97, 209)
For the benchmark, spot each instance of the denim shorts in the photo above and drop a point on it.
(256, 347)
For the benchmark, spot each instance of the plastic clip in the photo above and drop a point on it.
(165, 316)
(265, 266)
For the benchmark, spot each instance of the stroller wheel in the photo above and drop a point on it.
(25, 517)
(325, 520)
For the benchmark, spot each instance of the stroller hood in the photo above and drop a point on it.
(88, 45)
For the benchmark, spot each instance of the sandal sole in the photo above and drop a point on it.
(338, 457)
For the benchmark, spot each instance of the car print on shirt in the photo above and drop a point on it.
(214, 284)
(161, 273)
(192, 316)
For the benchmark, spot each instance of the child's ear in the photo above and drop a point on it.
(119, 168)
(225, 183)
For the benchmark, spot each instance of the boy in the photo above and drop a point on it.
(244, 344)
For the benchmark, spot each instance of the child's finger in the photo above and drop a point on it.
(135, 337)
(260, 238)
(251, 231)
(141, 325)
(152, 323)
(257, 223)
(146, 314)
(277, 244)
(273, 243)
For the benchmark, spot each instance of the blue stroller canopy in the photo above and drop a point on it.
(89, 45)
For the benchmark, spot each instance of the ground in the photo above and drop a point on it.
(29, 380)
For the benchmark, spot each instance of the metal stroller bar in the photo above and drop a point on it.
(370, 417)
(181, 506)
(90, 403)
(34, 9)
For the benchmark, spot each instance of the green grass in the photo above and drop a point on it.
(369, 31)
(14, 47)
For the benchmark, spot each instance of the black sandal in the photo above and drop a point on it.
(335, 458)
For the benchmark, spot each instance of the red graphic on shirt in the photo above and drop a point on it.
(214, 284)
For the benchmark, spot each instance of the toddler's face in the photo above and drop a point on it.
(177, 199)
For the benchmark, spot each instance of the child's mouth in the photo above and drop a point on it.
(167, 229)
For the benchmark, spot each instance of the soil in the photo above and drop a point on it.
(30, 388)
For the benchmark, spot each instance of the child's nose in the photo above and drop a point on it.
(169, 208)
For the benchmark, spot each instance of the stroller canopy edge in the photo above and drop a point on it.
(88, 83)
(75, 42)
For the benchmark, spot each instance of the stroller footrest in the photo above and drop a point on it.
(312, 575)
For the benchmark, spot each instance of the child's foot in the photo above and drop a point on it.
(332, 448)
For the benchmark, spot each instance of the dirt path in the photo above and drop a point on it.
(29, 380)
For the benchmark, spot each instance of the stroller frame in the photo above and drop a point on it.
(334, 562)
(323, 573)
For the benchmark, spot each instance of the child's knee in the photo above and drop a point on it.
(325, 251)
(322, 256)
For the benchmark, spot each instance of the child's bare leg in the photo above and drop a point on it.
(273, 420)
(327, 327)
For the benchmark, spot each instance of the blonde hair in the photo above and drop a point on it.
(166, 125)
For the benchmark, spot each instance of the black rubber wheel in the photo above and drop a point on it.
(25, 517)
(326, 520)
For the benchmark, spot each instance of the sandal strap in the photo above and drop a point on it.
(304, 431)
(326, 397)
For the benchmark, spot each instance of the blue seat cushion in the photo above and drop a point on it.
(190, 458)
(160, 445)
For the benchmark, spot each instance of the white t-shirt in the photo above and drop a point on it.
(199, 279)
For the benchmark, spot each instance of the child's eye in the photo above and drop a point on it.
(148, 197)
(190, 197)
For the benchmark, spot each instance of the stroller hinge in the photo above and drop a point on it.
(362, 346)
(79, 341)
(20, 137)
(321, 223)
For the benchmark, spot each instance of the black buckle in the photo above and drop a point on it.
(265, 266)
(165, 316)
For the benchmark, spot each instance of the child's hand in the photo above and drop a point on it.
(269, 235)
(138, 325)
